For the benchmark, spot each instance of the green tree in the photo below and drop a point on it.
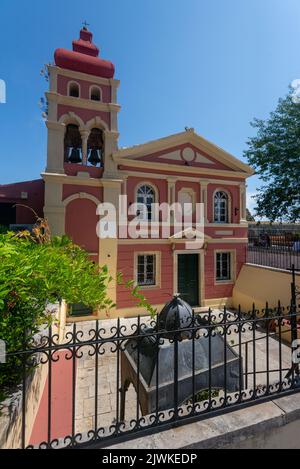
(33, 274)
(36, 270)
(275, 154)
(249, 216)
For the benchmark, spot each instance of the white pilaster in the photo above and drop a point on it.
(55, 151)
(110, 146)
(204, 200)
(54, 211)
(84, 137)
(243, 203)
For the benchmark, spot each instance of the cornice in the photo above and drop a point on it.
(190, 137)
(82, 103)
(83, 76)
(74, 180)
(169, 168)
(203, 182)
(80, 181)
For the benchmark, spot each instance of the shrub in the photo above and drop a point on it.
(36, 270)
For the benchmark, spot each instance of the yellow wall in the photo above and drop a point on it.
(260, 284)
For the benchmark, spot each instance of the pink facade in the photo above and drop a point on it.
(22, 195)
(84, 114)
(126, 261)
(82, 228)
(84, 88)
(212, 289)
(85, 167)
(162, 293)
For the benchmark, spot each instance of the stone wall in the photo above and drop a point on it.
(11, 411)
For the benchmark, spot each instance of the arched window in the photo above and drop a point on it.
(73, 144)
(74, 90)
(95, 93)
(146, 196)
(186, 200)
(95, 147)
(221, 207)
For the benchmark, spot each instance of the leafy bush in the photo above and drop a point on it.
(36, 270)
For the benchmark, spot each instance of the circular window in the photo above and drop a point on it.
(188, 155)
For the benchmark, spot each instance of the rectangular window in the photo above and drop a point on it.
(146, 270)
(223, 266)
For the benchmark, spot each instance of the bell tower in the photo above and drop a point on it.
(82, 110)
(82, 124)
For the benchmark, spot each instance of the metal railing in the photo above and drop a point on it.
(128, 378)
(274, 249)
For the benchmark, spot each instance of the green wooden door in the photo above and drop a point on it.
(188, 278)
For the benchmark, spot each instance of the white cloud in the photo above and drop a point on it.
(296, 93)
(251, 203)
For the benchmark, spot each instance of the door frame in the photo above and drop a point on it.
(200, 253)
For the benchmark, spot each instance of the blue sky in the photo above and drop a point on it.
(209, 64)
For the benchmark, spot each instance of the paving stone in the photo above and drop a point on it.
(89, 406)
(89, 363)
(79, 408)
(107, 375)
(83, 425)
(103, 389)
(86, 372)
(104, 420)
(82, 392)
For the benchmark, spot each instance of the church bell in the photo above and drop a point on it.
(75, 156)
(94, 157)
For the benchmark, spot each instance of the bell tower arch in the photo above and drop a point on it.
(82, 125)
(82, 91)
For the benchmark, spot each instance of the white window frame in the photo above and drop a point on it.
(232, 272)
(69, 89)
(228, 207)
(155, 200)
(100, 92)
(156, 263)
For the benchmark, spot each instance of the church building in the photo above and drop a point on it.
(86, 167)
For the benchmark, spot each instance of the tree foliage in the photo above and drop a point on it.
(36, 270)
(275, 154)
(249, 216)
(34, 273)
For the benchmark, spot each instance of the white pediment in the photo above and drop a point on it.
(202, 159)
(187, 147)
(186, 155)
(174, 156)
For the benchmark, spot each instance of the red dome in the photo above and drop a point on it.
(84, 58)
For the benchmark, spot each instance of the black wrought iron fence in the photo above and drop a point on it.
(114, 380)
(274, 249)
